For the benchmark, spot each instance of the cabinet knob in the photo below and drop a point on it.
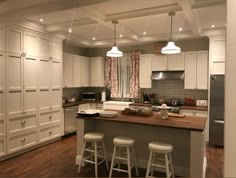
(50, 132)
(50, 117)
(22, 122)
(24, 112)
(23, 140)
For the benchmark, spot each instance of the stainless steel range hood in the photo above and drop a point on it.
(168, 75)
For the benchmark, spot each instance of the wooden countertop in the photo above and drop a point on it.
(191, 123)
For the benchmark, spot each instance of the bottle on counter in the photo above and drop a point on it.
(163, 111)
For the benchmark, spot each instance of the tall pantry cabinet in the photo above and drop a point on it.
(33, 89)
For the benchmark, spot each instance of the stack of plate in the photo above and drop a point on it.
(108, 114)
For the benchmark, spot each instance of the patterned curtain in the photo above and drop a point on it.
(111, 77)
(134, 75)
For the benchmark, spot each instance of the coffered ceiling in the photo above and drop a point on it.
(139, 20)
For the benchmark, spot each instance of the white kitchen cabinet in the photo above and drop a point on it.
(196, 70)
(2, 96)
(67, 70)
(14, 40)
(145, 70)
(31, 44)
(84, 71)
(3, 146)
(56, 49)
(97, 72)
(44, 47)
(174, 62)
(17, 142)
(76, 74)
(159, 62)
(2, 38)
(47, 118)
(217, 54)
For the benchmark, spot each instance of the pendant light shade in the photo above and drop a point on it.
(171, 48)
(114, 52)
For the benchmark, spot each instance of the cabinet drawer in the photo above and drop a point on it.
(21, 123)
(49, 133)
(2, 128)
(21, 141)
(2, 146)
(49, 117)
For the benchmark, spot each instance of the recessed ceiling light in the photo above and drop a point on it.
(212, 26)
(70, 30)
(121, 35)
(94, 38)
(144, 33)
(41, 20)
(180, 29)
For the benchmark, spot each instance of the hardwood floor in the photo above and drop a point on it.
(58, 160)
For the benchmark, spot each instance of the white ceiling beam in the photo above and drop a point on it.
(101, 18)
(45, 8)
(189, 15)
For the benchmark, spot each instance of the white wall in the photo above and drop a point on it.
(230, 94)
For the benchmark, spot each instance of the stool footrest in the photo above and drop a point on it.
(120, 170)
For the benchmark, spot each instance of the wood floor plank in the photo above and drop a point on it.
(58, 160)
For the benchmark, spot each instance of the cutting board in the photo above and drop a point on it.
(175, 115)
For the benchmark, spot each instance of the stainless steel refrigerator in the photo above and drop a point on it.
(216, 127)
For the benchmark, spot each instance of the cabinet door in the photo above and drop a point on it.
(14, 41)
(217, 47)
(84, 69)
(31, 44)
(67, 70)
(2, 95)
(145, 69)
(202, 70)
(44, 47)
(159, 62)
(55, 73)
(97, 72)
(76, 71)
(2, 146)
(14, 84)
(56, 50)
(2, 38)
(30, 84)
(44, 83)
(176, 61)
(190, 75)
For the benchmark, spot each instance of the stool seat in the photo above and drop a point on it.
(93, 136)
(123, 141)
(160, 147)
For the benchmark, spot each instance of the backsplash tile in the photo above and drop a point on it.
(168, 89)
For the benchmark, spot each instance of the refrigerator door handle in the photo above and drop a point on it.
(219, 121)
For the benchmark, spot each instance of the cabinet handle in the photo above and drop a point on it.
(22, 122)
(23, 140)
(50, 132)
(24, 112)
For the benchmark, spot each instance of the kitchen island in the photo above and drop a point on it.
(186, 134)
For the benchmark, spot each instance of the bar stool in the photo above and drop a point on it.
(163, 164)
(94, 139)
(123, 152)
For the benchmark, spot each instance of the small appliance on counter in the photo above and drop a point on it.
(202, 103)
(90, 96)
(146, 98)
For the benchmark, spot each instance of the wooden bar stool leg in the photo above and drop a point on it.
(149, 164)
(135, 162)
(112, 161)
(105, 155)
(82, 156)
(128, 158)
(167, 166)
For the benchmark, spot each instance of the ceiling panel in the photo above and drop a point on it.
(157, 24)
(212, 15)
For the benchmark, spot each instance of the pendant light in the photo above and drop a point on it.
(114, 52)
(171, 48)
